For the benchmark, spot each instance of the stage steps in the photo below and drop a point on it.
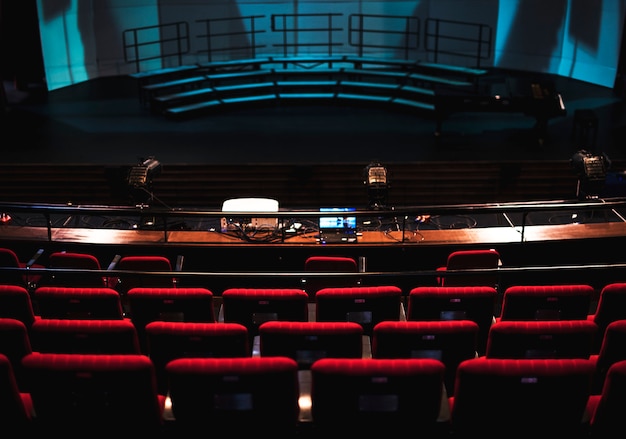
(215, 86)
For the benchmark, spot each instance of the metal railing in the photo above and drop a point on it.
(458, 39)
(158, 42)
(217, 35)
(365, 30)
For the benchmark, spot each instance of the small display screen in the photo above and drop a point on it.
(340, 220)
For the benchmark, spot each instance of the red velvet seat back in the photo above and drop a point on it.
(56, 302)
(607, 418)
(307, 342)
(450, 341)
(151, 304)
(235, 395)
(15, 344)
(167, 341)
(79, 261)
(360, 395)
(541, 339)
(475, 303)
(73, 336)
(15, 407)
(471, 260)
(365, 305)
(16, 303)
(521, 396)
(546, 302)
(76, 393)
(611, 307)
(329, 264)
(143, 263)
(613, 350)
(252, 307)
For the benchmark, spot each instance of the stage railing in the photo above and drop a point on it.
(513, 222)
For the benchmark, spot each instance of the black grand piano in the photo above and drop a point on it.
(537, 98)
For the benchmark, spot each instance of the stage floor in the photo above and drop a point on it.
(102, 121)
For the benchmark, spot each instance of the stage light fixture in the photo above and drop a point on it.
(141, 175)
(377, 183)
(592, 170)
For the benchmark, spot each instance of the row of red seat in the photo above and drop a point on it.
(80, 393)
(449, 341)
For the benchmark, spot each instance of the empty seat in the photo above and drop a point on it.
(521, 396)
(138, 267)
(86, 265)
(612, 350)
(72, 336)
(167, 341)
(329, 264)
(358, 396)
(475, 259)
(475, 303)
(16, 410)
(307, 342)
(546, 302)
(541, 339)
(365, 305)
(253, 306)
(607, 407)
(56, 302)
(235, 395)
(611, 306)
(15, 344)
(449, 341)
(193, 304)
(16, 303)
(77, 393)
(15, 269)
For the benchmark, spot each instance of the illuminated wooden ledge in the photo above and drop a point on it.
(483, 235)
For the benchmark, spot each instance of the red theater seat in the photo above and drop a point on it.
(169, 304)
(15, 344)
(108, 394)
(307, 342)
(541, 339)
(252, 307)
(546, 302)
(72, 336)
(329, 264)
(16, 303)
(475, 303)
(611, 307)
(16, 409)
(449, 341)
(167, 341)
(526, 397)
(239, 396)
(613, 349)
(607, 408)
(358, 396)
(79, 261)
(471, 260)
(365, 305)
(55, 302)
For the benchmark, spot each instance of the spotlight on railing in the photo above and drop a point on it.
(377, 185)
(141, 175)
(591, 169)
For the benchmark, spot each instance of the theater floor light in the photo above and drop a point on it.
(377, 185)
(140, 179)
(591, 170)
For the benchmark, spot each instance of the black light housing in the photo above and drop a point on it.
(377, 183)
(141, 176)
(591, 170)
